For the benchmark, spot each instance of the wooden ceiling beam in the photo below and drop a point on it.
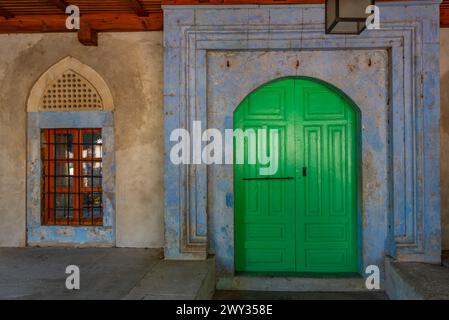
(138, 8)
(105, 22)
(444, 21)
(5, 13)
(444, 14)
(87, 35)
(61, 4)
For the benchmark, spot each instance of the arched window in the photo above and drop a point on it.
(70, 158)
(69, 85)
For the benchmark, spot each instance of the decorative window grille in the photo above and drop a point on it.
(72, 177)
(70, 92)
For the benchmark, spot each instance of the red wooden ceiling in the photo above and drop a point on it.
(113, 15)
(55, 7)
(444, 12)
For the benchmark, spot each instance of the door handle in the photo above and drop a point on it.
(287, 178)
(304, 171)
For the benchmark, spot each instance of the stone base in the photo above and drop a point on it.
(291, 284)
(416, 281)
(177, 280)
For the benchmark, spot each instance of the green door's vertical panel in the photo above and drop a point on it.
(325, 146)
(312, 191)
(265, 209)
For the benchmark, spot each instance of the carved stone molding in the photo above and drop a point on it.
(410, 34)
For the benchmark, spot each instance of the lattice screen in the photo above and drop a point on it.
(70, 92)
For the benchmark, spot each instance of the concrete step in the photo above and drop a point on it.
(292, 284)
(416, 281)
(282, 295)
(176, 280)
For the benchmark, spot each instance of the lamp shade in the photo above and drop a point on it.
(346, 16)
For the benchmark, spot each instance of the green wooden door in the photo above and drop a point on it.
(303, 218)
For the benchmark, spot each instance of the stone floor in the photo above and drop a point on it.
(39, 273)
(264, 295)
(112, 273)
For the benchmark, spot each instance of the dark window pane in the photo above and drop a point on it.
(63, 146)
(92, 151)
(64, 169)
(92, 199)
(96, 199)
(64, 182)
(64, 200)
(61, 214)
(92, 169)
(91, 183)
(92, 138)
(87, 183)
(97, 213)
(96, 183)
(92, 145)
(62, 137)
(87, 213)
(63, 151)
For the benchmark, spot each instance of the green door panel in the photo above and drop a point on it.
(265, 213)
(303, 218)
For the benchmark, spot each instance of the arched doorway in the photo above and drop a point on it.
(302, 218)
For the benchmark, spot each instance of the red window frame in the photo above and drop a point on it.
(81, 193)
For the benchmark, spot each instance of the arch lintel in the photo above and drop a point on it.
(330, 86)
(57, 70)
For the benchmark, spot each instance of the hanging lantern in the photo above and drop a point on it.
(346, 16)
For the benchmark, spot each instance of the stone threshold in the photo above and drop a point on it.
(292, 284)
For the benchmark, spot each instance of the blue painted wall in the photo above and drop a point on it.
(215, 56)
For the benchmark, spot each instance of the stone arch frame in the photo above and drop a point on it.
(55, 71)
(38, 234)
(406, 226)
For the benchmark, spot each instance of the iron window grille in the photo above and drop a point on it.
(72, 177)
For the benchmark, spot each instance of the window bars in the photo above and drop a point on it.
(72, 177)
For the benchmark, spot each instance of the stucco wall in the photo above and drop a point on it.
(444, 39)
(131, 64)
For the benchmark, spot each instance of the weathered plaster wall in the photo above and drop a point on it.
(444, 39)
(131, 64)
